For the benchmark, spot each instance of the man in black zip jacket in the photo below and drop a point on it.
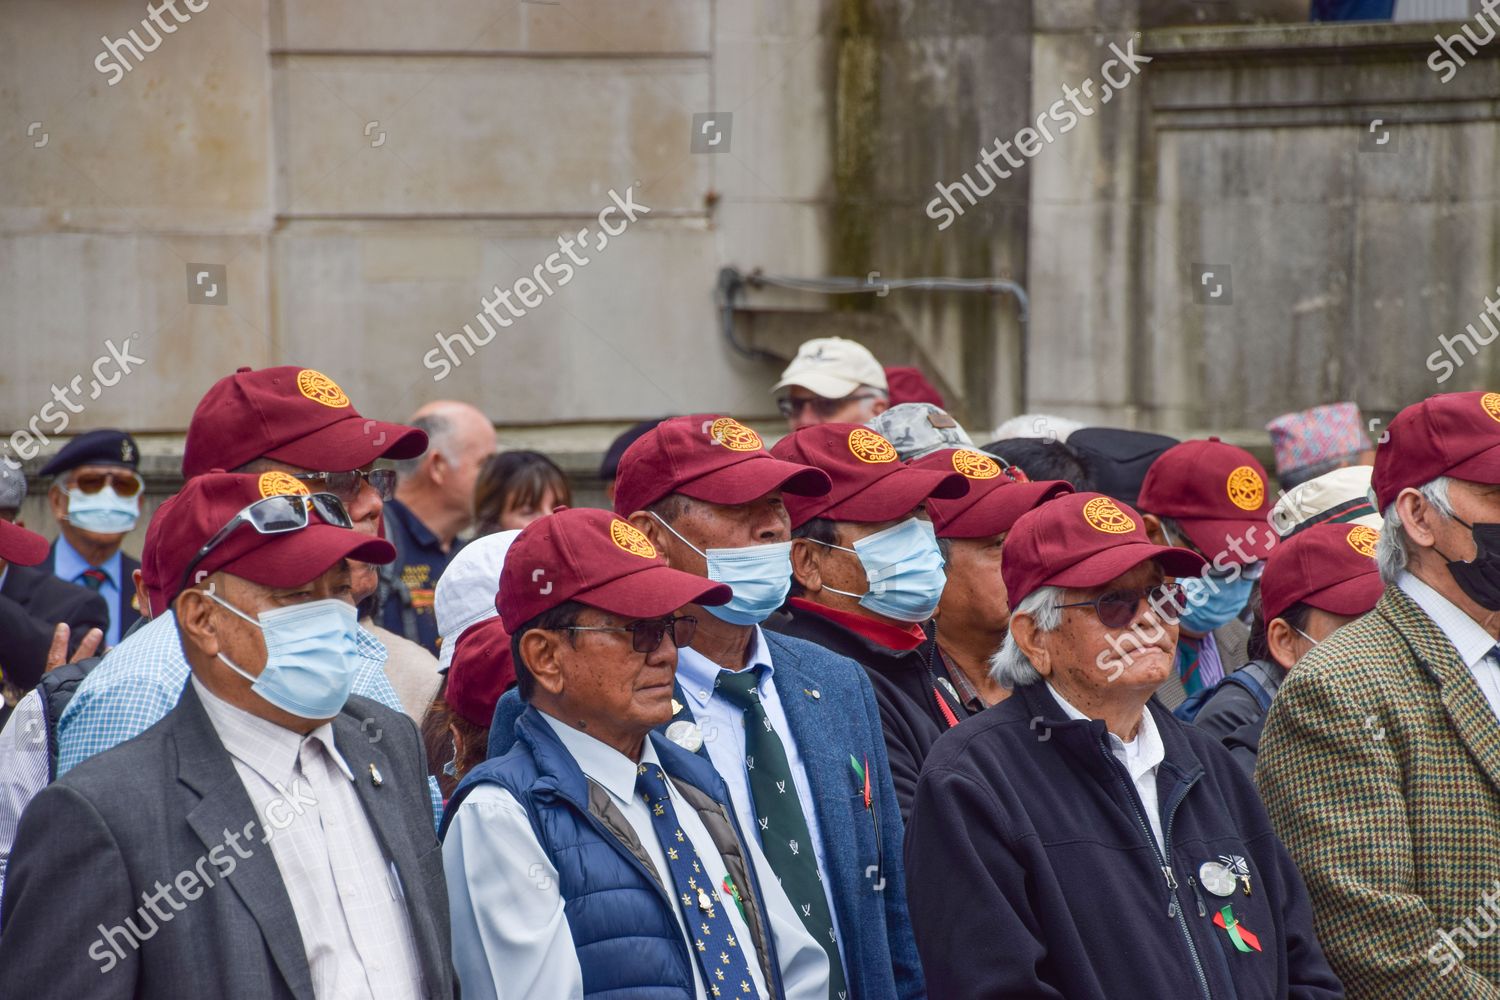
(1096, 847)
(867, 575)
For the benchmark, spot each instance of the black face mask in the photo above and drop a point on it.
(1480, 577)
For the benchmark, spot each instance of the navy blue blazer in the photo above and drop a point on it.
(868, 881)
(124, 609)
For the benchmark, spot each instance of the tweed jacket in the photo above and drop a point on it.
(1380, 769)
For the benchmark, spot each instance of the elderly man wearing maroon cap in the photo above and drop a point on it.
(868, 574)
(1316, 580)
(298, 424)
(1097, 847)
(971, 619)
(597, 858)
(779, 718)
(262, 775)
(1380, 761)
(1211, 498)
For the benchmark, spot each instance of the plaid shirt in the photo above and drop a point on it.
(1380, 769)
(140, 680)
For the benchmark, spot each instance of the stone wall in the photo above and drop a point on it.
(351, 177)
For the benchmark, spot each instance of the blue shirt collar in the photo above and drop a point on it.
(696, 672)
(69, 565)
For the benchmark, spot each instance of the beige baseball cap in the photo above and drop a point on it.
(1342, 495)
(833, 367)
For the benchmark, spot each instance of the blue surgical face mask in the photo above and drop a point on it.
(904, 570)
(311, 656)
(1207, 610)
(106, 512)
(759, 575)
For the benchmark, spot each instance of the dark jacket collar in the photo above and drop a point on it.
(1086, 740)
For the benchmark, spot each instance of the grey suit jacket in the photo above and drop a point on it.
(99, 845)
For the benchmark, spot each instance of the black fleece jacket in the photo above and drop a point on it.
(1032, 871)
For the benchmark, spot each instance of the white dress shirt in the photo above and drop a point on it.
(1475, 646)
(722, 724)
(344, 892)
(23, 768)
(1141, 757)
(510, 932)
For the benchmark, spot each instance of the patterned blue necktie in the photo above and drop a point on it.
(725, 969)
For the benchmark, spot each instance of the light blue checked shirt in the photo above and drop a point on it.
(139, 681)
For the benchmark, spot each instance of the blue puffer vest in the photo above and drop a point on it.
(629, 944)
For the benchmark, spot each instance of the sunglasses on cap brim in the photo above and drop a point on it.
(275, 515)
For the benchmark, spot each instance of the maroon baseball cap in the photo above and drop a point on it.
(870, 483)
(293, 415)
(1215, 493)
(994, 500)
(595, 558)
(210, 501)
(21, 546)
(1329, 566)
(153, 573)
(1456, 434)
(707, 457)
(481, 671)
(1083, 540)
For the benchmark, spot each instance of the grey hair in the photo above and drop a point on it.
(1393, 551)
(1010, 668)
(439, 431)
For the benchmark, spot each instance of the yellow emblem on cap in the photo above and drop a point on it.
(1246, 489)
(1103, 514)
(974, 465)
(734, 435)
(1491, 403)
(1363, 540)
(275, 484)
(321, 389)
(630, 538)
(867, 446)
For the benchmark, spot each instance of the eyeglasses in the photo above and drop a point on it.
(1012, 472)
(126, 484)
(275, 515)
(646, 634)
(790, 406)
(346, 485)
(1117, 608)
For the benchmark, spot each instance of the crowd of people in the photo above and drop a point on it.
(870, 712)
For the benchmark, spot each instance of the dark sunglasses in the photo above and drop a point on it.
(346, 485)
(1117, 608)
(825, 408)
(126, 484)
(275, 516)
(646, 634)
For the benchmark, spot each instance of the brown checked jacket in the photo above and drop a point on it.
(1380, 769)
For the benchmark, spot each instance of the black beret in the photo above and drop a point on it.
(104, 447)
(1119, 458)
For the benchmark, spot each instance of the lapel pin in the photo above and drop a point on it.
(814, 694)
(375, 778)
(1238, 867)
(676, 707)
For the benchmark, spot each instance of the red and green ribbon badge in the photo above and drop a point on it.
(734, 894)
(863, 774)
(1243, 939)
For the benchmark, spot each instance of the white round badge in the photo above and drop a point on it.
(686, 735)
(1217, 879)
